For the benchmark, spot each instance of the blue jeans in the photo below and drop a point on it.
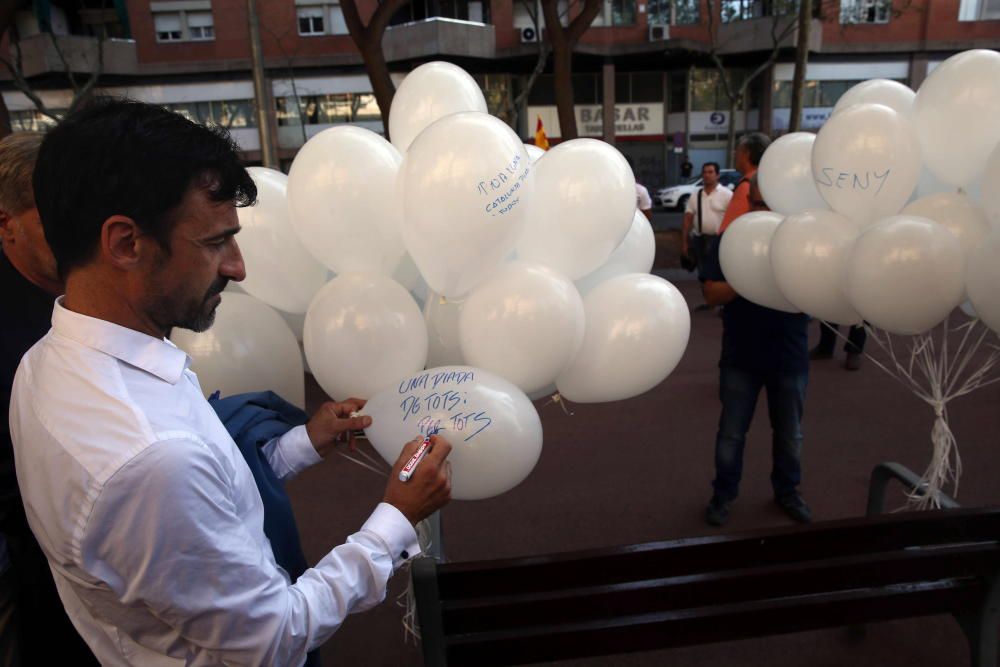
(738, 391)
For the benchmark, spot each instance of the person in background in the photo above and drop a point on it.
(703, 217)
(34, 628)
(686, 169)
(149, 516)
(643, 202)
(764, 349)
(749, 150)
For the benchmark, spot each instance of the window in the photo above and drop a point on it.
(168, 27)
(321, 19)
(311, 21)
(815, 94)
(865, 11)
(32, 120)
(745, 10)
(979, 10)
(328, 109)
(184, 26)
(673, 12)
(200, 26)
(707, 90)
(231, 114)
(616, 13)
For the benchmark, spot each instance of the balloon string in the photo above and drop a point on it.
(363, 464)
(560, 401)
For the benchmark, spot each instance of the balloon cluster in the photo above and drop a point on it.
(532, 267)
(871, 219)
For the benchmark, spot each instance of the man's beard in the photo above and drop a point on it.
(199, 318)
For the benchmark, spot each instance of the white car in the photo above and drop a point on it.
(676, 196)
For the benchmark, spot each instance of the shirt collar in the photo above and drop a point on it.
(157, 356)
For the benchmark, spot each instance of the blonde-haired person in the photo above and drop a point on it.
(34, 627)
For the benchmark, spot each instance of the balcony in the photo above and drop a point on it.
(757, 34)
(439, 36)
(45, 53)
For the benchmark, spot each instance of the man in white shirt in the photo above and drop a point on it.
(713, 199)
(643, 201)
(148, 514)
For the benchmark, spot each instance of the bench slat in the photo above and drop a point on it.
(710, 624)
(586, 602)
(689, 556)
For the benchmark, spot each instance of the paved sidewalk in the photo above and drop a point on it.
(639, 470)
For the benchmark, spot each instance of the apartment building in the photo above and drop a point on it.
(650, 62)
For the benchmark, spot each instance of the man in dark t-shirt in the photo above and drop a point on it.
(765, 349)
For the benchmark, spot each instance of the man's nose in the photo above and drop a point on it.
(233, 267)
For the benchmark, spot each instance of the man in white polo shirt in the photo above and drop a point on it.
(146, 510)
(703, 215)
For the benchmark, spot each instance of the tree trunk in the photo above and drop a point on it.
(378, 72)
(563, 70)
(801, 61)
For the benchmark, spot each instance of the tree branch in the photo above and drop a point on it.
(380, 19)
(16, 70)
(579, 25)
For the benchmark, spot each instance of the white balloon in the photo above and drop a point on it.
(955, 115)
(534, 152)
(248, 349)
(991, 188)
(428, 94)
(982, 280)
(467, 186)
(280, 271)
(957, 214)
(809, 253)
(866, 162)
(408, 275)
(494, 430)
(635, 254)
(785, 174)
(525, 324)
(637, 328)
(890, 93)
(744, 253)
(905, 274)
(341, 190)
(362, 332)
(444, 345)
(583, 209)
(929, 184)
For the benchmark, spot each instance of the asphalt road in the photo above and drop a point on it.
(664, 219)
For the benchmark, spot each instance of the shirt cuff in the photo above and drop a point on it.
(296, 450)
(396, 531)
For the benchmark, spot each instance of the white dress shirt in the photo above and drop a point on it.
(151, 520)
(713, 208)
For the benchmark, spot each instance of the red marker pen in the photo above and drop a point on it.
(407, 472)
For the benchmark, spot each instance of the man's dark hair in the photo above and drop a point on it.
(119, 157)
(711, 164)
(755, 144)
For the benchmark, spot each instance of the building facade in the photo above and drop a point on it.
(664, 57)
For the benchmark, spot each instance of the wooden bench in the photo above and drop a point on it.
(702, 590)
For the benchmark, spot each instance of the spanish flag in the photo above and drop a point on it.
(541, 140)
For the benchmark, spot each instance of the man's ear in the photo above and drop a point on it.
(121, 242)
(6, 227)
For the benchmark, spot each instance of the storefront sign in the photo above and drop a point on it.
(631, 120)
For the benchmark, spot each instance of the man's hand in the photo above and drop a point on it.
(429, 489)
(333, 424)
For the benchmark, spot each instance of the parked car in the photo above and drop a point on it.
(676, 196)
